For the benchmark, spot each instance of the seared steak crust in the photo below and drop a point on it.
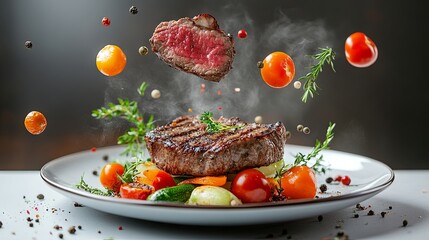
(194, 45)
(184, 147)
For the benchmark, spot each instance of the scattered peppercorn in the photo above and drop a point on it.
(40, 196)
(297, 84)
(356, 215)
(320, 218)
(57, 227)
(31, 225)
(29, 219)
(338, 226)
(37, 220)
(260, 64)
(383, 214)
(404, 223)
(133, 10)
(329, 180)
(1, 224)
(340, 234)
(28, 44)
(77, 204)
(95, 173)
(299, 127)
(370, 213)
(105, 21)
(105, 157)
(390, 207)
(79, 227)
(72, 230)
(120, 228)
(60, 235)
(99, 231)
(306, 130)
(143, 50)
(323, 188)
(288, 134)
(242, 33)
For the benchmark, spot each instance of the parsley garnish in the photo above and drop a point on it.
(213, 126)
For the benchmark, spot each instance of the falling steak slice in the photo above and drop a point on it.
(184, 147)
(194, 45)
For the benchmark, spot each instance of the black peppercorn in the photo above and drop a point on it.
(61, 235)
(1, 224)
(370, 213)
(329, 180)
(383, 214)
(260, 64)
(404, 223)
(323, 188)
(133, 10)
(105, 157)
(40, 196)
(28, 44)
(356, 215)
(320, 218)
(31, 225)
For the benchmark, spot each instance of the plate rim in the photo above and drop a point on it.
(81, 193)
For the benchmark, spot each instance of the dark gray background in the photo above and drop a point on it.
(380, 111)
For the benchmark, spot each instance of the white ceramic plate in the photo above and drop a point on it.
(368, 176)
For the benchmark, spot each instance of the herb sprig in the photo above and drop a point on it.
(129, 110)
(84, 186)
(304, 159)
(326, 55)
(213, 126)
(130, 170)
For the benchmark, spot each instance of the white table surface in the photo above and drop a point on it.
(408, 197)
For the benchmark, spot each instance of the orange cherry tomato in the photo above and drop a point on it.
(35, 122)
(360, 50)
(109, 176)
(135, 190)
(278, 70)
(299, 182)
(111, 60)
(157, 178)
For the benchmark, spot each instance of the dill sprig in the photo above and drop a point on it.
(126, 109)
(326, 55)
(213, 126)
(84, 186)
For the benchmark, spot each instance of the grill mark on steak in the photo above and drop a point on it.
(194, 45)
(188, 149)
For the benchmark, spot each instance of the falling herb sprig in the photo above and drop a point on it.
(84, 186)
(213, 126)
(129, 110)
(326, 55)
(304, 159)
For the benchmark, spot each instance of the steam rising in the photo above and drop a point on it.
(181, 91)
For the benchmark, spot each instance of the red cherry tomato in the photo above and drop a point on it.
(360, 50)
(346, 180)
(136, 191)
(109, 176)
(299, 182)
(157, 178)
(251, 186)
(278, 70)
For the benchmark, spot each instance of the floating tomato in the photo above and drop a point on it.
(360, 50)
(278, 70)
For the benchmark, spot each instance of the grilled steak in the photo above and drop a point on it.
(184, 147)
(194, 45)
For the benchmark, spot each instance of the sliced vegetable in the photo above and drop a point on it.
(299, 182)
(156, 178)
(212, 195)
(135, 191)
(207, 180)
(110, 176)
(251, 186)
(180, 193)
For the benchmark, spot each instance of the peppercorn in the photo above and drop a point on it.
(329, 180)
(288, 134)
(260, 64)
(133, 10)
(370, 213)
(383, 214)
(40, 196)
(306, 130)
(1, 224)
(72, 230)
(323, 188)
(143, 50)
(299, 128)
(356, 215)
(320, 218)
(60, 235)
(28, 44)
(79, 227)
(105, 157)
(404, 223)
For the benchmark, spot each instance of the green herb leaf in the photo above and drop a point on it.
(130, 170)
(84, 186)
(129, 111)
(213, 126)
(326, 55)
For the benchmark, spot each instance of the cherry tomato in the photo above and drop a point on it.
(111, 60)
(299, 182)
(346, 180)
(278, 70)
(360, 50)
(109, 176)
(136, 190)
(157, 178)
(242, 33)
(35, 122)
(251, 186)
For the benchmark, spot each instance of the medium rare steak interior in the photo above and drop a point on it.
(194, 45)
(184, 147)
